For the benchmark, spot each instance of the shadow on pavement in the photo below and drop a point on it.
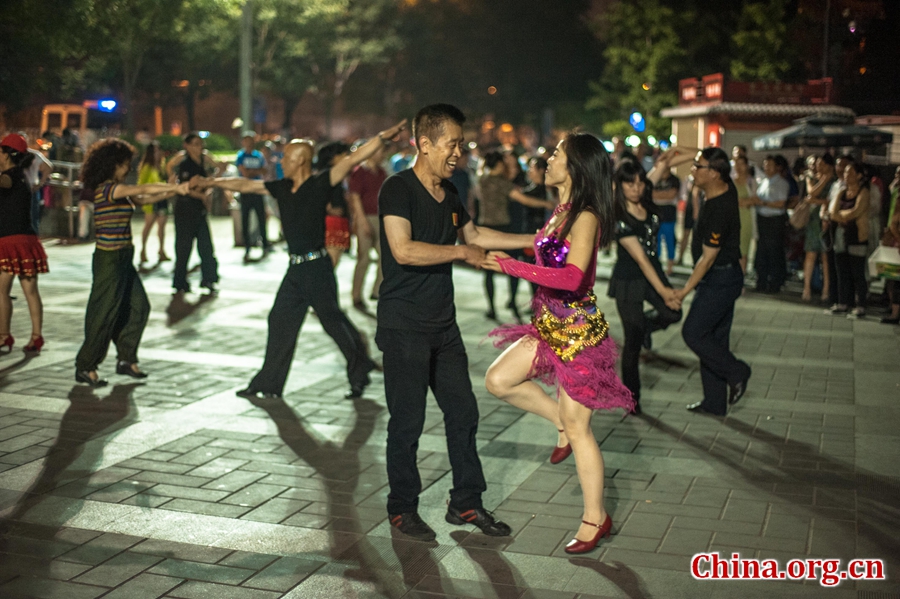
(179, 308)
(338, 467)
(87, 417)
(875, 505)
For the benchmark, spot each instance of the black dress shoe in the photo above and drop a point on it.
(481, 518)
(356, 391)
(699, 407)
(736, 391)
(126, 369)
(84, 376)
(412, 525)
(250, 393)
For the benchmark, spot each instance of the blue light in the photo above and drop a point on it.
(106, 105)
(637, 121)
(203, 134)
(663, 145)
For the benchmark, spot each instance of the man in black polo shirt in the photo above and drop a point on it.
(719, 280)
(421, 218)
(309, 282)
(190, 217)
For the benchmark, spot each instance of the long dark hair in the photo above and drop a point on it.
(590, 168)
(149, 155)
(626, 172)
(20, 160)
(102, 159)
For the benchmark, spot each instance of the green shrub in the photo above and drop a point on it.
(216, 142)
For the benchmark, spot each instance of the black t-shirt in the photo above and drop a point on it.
(187, 168)
(719, 226)
(535, 217)
(668, 213)
(646, 232)
(418, 298)
(303, 211)
(15, 206)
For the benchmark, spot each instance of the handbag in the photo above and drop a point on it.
(800, 217)
(885, 263)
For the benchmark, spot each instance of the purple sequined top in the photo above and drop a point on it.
(551, 252)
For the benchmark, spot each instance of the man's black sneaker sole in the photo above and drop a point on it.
(454, 519)
(419, 534)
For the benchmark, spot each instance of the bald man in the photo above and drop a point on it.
(309, 282)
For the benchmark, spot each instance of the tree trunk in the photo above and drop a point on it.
(290, 103)
(328, 109)
(190, 99)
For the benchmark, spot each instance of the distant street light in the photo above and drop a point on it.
(637, 121)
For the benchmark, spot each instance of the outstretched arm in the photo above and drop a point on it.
(122, 191)
(582, 246)
(238, 184)
(495, 240)
(344, 166)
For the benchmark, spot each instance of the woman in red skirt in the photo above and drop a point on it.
(21, 252)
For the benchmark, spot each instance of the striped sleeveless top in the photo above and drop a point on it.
(112, 219)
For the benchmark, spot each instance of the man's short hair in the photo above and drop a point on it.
(191, 137)
(431, 121)
(828, 159)
(718, 162)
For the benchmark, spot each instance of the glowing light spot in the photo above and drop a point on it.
(492, 90)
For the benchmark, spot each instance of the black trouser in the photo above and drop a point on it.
(706, 331)
(833, 284)
(253, 202)
(308, 284)
(771, 267)
(191, 224)
(850, 271)
(117, 310)
(630, 297)
(413, 363)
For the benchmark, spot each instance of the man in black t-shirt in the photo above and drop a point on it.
(719, 280)
(190, 217)
(309, 282)
(422, 217)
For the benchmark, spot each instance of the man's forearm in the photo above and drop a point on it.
(700, 269)
(419, 253)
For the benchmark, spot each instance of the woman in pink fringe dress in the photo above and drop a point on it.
(567, 342)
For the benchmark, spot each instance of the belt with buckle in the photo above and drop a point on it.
(308, 256)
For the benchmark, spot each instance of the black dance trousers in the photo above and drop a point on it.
(253, 202)
(706, 331)
(191, 224)
(117, 309)
(310, 284)
(413, 363)
(630, 297)
(771, 263)
(850, 272)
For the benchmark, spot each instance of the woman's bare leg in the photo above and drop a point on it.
(161, 219)
(149, 219)
(826, 277)
(6, 280)
(35, 305)
(809, 265)
(576, 419)
(335, 255)
(507, 379)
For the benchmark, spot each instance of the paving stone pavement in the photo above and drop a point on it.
(175, 487)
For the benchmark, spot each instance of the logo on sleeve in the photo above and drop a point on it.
(714, 238)
(456, 219)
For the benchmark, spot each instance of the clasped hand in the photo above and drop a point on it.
(673, 298)
(491, 261)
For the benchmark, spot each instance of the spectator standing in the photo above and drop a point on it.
(771, 217)
(746, 190)
(665, 197)
(251, 164)
(851, 237)
(157, 213)
(37, 175)
(817, 192)
(364, 184)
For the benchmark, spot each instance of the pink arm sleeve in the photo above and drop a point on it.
(567, 278)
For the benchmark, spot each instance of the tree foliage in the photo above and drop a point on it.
(644, 57)
(762, 50)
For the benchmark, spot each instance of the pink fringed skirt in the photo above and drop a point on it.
(589, 377)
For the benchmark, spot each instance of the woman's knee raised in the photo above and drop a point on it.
(496, 384)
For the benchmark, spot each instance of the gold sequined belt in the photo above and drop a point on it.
(568, 336)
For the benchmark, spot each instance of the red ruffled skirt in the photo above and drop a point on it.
(337, 232)
(22, 255)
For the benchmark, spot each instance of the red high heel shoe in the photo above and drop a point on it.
(560, 453)
(35, 345)
(8, 343)
(576, 546)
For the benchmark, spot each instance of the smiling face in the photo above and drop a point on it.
(558, 167)
(441, 155)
